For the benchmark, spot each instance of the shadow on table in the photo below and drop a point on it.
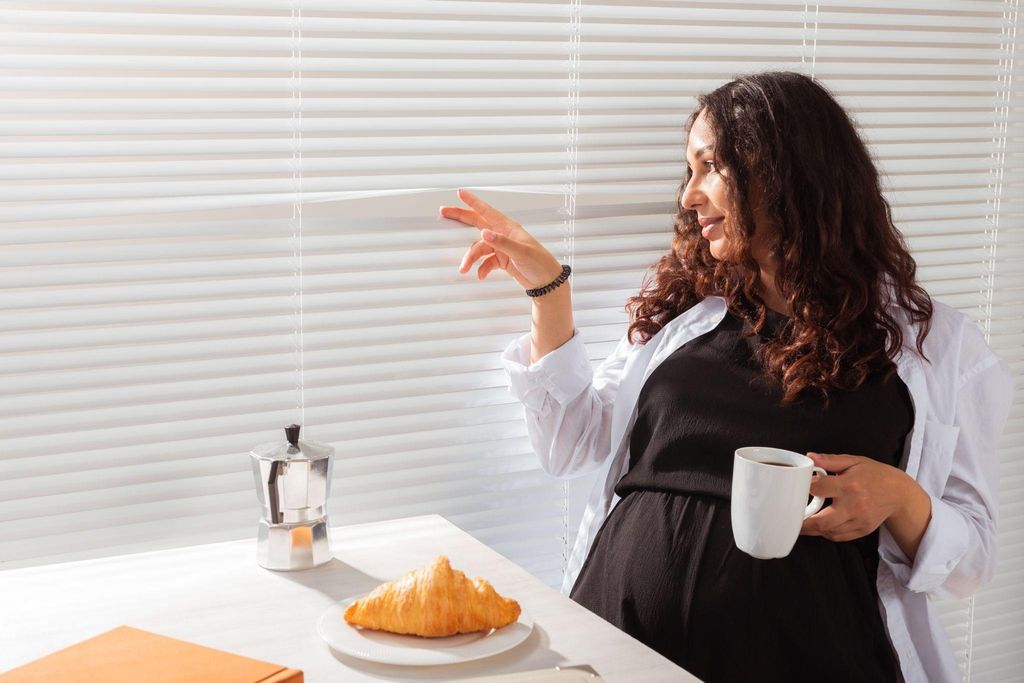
(335, 579)
(532, 653)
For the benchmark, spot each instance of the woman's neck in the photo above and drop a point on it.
(771, 296)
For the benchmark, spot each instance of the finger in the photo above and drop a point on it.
(486, 266)
(824, 522)
(826, 487)
(478, 250)
(466, 216)
(504, 244)
(834, 463)
(489, 213)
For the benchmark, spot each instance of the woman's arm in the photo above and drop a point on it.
(908, 522)
(941, 543)
(568, 407)
(957, 553)
(567, 404)
(552, 321)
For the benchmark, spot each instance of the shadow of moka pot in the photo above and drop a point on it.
(293, 483)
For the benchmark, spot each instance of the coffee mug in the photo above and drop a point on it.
(769, 499)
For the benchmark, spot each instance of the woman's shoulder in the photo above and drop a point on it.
(954, 341)
(708, 306)
(946, 325)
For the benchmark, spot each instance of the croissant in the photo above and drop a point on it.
(433, 601)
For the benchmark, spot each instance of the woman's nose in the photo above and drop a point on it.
(692, 196)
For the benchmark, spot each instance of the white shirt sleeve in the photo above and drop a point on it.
(567, 404)
(957, 553)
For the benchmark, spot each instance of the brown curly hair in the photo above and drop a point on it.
(843, 267)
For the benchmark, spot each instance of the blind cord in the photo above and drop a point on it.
(296, 96)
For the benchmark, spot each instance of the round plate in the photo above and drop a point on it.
(391, 648)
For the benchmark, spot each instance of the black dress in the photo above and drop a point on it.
(664, 567)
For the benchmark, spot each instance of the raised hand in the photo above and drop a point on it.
(503, 244)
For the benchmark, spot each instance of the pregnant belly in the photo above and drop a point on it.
(664, 568)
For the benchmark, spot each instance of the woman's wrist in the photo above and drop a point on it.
(910, 520)
(560, 279)
(555, 297)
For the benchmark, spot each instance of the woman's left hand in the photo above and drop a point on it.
(864, 494)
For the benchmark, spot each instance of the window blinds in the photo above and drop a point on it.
(219, 218)
(171, 302)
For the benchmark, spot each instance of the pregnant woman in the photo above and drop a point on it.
(786, 314)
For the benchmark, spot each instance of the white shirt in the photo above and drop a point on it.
(579, 420)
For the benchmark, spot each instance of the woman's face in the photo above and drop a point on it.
(706, 192)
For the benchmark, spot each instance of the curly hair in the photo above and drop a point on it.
(792, 151)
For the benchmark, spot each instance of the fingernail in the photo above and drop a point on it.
(488, 235)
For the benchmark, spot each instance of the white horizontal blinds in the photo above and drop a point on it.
(924, 81)
(998, 616)
(151, 350)
(224, 74)
(140, 358)
(145, 344)
(139, 108)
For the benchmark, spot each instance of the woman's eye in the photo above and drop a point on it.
(709, 167)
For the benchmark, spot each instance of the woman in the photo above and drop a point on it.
(786, 314)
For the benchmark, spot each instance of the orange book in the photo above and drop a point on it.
(129, 655)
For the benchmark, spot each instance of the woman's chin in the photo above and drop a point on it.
(718, 249)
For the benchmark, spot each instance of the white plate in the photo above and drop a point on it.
(391, 648)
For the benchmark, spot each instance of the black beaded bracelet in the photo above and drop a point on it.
(541, 291)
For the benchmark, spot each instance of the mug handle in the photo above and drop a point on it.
(817, 501)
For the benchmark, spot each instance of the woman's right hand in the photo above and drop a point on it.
(503, 244)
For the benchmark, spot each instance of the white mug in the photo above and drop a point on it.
(769, 499)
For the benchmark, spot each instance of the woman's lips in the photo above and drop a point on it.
(706, 229)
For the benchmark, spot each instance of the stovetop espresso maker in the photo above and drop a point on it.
(293, 483)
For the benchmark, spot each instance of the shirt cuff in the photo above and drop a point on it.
(943, 545)
(562, 374)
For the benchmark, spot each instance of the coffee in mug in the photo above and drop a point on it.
(769, 499)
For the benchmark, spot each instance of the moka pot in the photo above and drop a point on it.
(293, 483)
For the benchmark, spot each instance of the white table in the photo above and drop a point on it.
(216, 595)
